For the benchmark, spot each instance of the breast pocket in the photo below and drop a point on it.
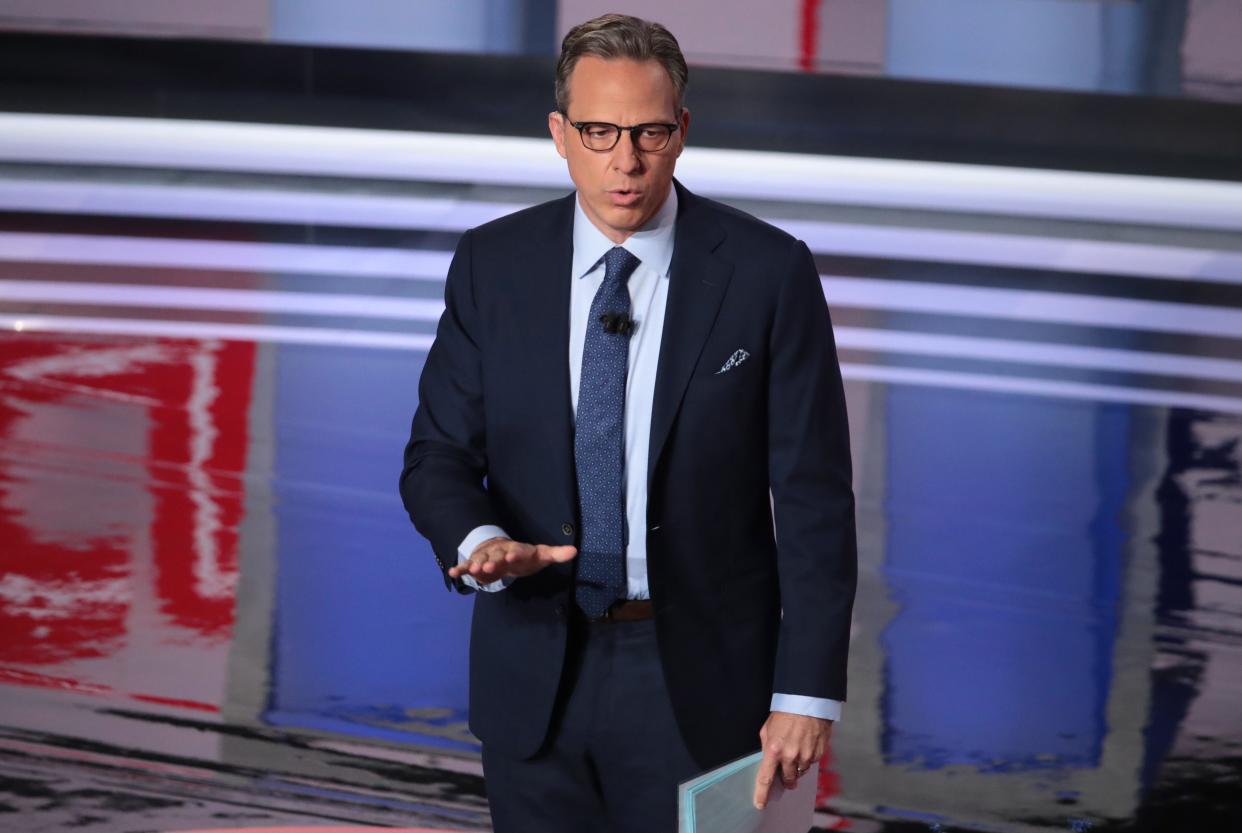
(725, 371)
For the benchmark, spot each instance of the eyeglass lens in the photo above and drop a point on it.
(602, 136)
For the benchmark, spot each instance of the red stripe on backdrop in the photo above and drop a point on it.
(809, 35)
(121, 500)
(198, 449)
(317, 830)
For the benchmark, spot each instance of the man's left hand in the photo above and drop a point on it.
(792, 747)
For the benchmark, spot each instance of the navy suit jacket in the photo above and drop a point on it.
(492, 443)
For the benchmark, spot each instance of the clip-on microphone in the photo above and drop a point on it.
(618, 323)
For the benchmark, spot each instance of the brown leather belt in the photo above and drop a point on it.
(629, 610)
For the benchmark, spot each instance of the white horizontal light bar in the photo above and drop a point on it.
(1045, 307)
(1024, 305)
(427, 310)
(194, 202)
(441, 157)
(279, 149)
(233, 300)
(202, 329)
(1015, 304)
(109, 250)
(1040, 353)
(455, 215)
(422, 342)
(987, 189)
(1040, 387)
(1107, 257)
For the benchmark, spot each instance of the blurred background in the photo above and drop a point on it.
(224, 230)
(1161, 47)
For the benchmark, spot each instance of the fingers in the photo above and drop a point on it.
(792, 747)
(555, 555)
(790, 771)
(820, 745)
(485, 560)
(525, 559)
(763, 781)
(497, 558)
(789, 762)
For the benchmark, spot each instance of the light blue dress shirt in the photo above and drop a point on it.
(653, 246)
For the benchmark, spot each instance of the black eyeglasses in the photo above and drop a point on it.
(602, 136)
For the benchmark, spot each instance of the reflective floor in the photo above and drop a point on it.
(214, 613)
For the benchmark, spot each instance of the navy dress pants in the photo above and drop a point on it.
(613, 757)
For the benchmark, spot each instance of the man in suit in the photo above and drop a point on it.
(631, 440)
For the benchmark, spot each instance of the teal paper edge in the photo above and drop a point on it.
(690, 791)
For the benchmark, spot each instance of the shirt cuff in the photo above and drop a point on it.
(810, 706)
(477, 536)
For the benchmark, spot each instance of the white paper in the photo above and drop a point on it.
(722, 800)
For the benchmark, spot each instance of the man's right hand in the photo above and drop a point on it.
(497, 558)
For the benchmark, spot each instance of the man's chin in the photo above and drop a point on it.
(615, 222)
(627, 218)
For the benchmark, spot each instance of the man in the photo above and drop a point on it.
(627, 388)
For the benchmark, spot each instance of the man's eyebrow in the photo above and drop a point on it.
(660, 120)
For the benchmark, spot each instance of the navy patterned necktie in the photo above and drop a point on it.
(599, 440)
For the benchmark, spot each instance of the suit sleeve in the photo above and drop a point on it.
(812, 491)
(442, 482)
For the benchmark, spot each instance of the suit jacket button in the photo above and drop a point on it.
(567, 529)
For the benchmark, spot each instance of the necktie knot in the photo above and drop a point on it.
(619, 264)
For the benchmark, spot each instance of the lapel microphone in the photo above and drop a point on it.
(618, 323)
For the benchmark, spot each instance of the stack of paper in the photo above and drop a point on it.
(722, 800)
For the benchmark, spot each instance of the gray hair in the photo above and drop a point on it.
(613, 36)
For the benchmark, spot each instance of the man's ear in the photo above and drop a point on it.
(684, 122)
(556, 126)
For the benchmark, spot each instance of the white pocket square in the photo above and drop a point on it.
(737, 358)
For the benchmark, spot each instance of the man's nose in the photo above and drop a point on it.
(626, 157)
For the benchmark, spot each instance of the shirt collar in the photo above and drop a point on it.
(652, 244)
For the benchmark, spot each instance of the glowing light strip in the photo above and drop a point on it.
(439, 157)
(456, 215)
(243, 300)
(1040, 387)
(1024, 305)
(342, 261)
(1041, 353)
(419, 342)
(200, 329)
(887, 341)
(1106, 257)
(254, 205)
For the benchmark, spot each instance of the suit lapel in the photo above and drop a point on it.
(698, 279)
(544, 303)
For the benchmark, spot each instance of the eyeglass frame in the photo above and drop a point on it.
(670, 127)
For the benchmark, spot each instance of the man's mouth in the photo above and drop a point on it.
(624, 197)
